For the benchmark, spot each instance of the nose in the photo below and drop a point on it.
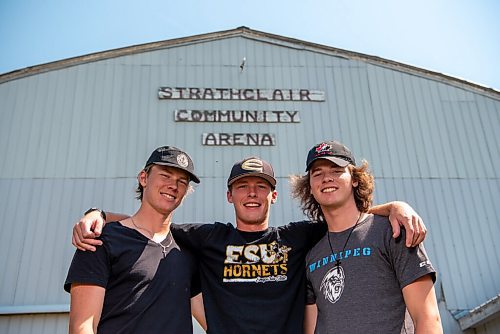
(173, 185)
(327, 177)
(252, 191)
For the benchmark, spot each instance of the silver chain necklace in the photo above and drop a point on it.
(163, 247)
(337, 263)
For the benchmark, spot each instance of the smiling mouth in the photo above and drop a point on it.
(168, 196)
(251, 205)
(329, 190)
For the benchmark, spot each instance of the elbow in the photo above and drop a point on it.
(431, 323)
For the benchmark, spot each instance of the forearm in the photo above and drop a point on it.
(198, 311)
(420, 299)
(381, 209)
(310, 315)
(85, 308)
(113, 216)
(429, 325)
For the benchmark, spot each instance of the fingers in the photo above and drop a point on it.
(411, 232)
(411, 240)
(86, 230)
(91, 224)
(413, 224)
(422, 231)
(82, 243)
(396, 229)
(415, 231)
(98, 225)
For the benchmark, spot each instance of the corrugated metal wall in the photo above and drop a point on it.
(75, 137)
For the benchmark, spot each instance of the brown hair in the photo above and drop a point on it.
(363, 192)
(139, 190)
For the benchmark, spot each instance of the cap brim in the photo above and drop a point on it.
(338, 161)
(192, 177)
(266, 177)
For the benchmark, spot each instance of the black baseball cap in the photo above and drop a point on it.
(173, 157)
(334, 151)
(252, 166)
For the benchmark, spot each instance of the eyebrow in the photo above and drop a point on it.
(315, 169)
(171, 171)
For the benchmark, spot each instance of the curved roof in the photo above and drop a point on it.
(251, 34)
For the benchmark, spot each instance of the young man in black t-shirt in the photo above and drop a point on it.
(252, 275)
(141, 280)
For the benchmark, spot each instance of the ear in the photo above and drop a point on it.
(353, 182)
(274, 197)
(142, 178)
(229, 196)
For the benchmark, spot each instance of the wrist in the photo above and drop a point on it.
(101, 212)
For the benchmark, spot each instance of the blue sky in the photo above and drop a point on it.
(460, 38)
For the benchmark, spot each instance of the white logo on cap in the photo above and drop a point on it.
(182, 160)
(253, 165)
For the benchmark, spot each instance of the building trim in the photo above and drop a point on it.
(481, 314)
(251, 34)
(33, 309)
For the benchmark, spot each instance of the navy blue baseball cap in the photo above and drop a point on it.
(173, 157)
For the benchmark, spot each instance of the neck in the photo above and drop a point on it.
(342, 218)
(252, 227)
(153, 221)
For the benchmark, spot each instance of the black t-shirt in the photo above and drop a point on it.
(148, 288)
(252, 282)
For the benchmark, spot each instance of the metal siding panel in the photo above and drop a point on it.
(413, 155)
(365, 139)
(462, 144)
(7, 113)
(398, 136)
(424, 130)
(10, 242)
(13, 240)
(488, 117)
(449, 323)
(446, 143)
(477, 139)
(15, 99)
(461, 245)
(382, 123)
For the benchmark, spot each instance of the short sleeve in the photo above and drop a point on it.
(89, 268)
(409, 263)
(310, 295)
